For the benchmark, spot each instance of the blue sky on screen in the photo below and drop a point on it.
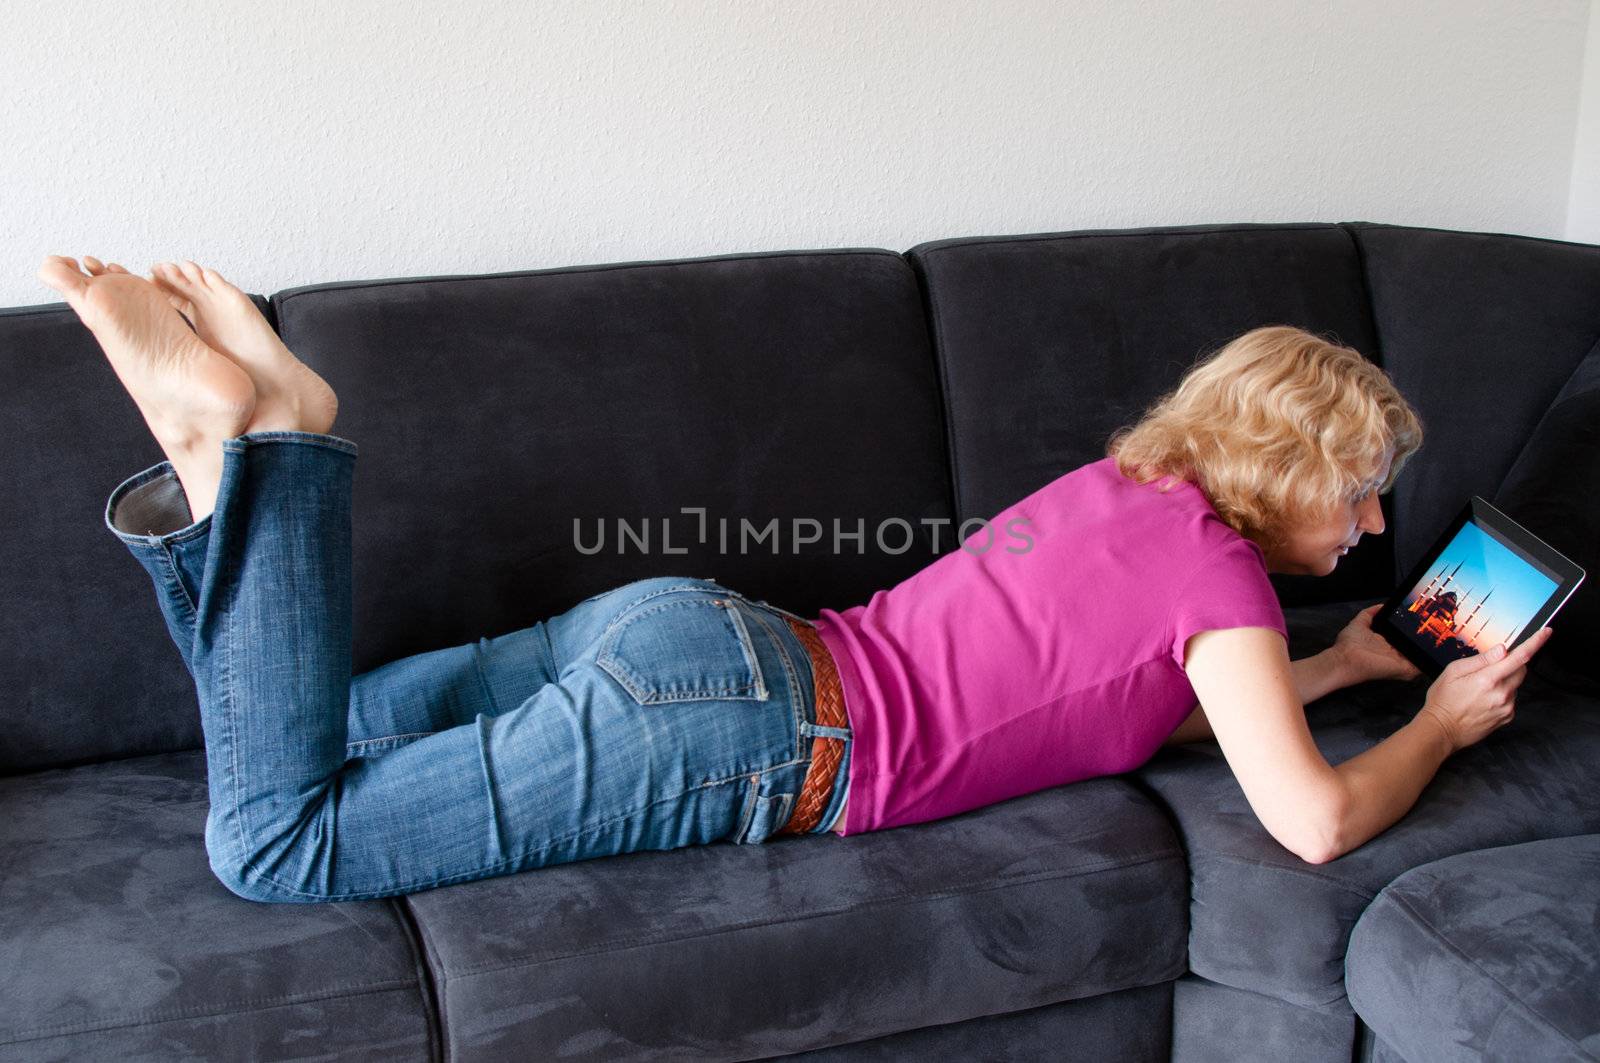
(1518, 589)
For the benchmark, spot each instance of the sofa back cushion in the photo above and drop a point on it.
(504, 420)
(1480, 331)
(1048, 343)
(88, 669)
(1551, 489)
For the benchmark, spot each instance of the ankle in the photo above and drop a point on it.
(200, 475)
(293, 413)
(200, 495)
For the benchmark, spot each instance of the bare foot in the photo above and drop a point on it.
(95, 267)
(191, 396)
(289, 395)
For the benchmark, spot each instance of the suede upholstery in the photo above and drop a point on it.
(1139, 918)
(1265, 921)
(1214, 1023)
(1511, 318)
(71, 435)
(118, 942)
(791, 386)
(1047, 344)
(1551, 490)
(812, 941)
(1486, 955)
(1104, 1029)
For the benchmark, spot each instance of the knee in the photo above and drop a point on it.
(236, 870)
(233, 873)
(251, 885)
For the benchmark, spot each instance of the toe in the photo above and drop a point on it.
(215, 279)
(176, 293)
(63, 274)
(170, 275)
(182, 306)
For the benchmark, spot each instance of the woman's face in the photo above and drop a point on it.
(1315, 550)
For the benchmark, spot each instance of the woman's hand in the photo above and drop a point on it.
(1476, 695)
(1367, 654)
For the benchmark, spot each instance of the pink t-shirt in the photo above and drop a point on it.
(1046, 649)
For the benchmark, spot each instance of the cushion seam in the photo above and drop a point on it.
(960, 891)
(1354, 891)
(332, 286)
(992, 241)
(208, 1011)
(1465, 232)
(1399, 900)
(936, 339)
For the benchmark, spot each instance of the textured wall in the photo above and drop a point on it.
(296, 142)
(1583, 213)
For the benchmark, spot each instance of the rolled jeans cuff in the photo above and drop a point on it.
(150, 508)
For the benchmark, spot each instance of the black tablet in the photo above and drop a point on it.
(1487, 580)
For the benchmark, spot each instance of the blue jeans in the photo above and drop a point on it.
(666, 712)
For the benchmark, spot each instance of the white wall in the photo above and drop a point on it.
(1583, 210)
(297, 142)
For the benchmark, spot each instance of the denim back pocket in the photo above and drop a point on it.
(693, 648)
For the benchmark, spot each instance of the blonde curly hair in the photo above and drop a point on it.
(1277, 429)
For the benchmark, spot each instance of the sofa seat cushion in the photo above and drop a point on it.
(746, 952)
(1214, 1023)
(118, 942)
(1128, 1026)
(1486, 955)
(1265, 920)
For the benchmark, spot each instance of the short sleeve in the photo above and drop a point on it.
(1230, 589)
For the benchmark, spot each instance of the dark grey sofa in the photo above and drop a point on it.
(1134, 918)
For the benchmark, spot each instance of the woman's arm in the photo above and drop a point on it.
(1246, 686)
(1357, 655)
(1245, 683)
(1314, 677)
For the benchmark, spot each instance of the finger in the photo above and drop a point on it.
(1533, 643)
(93, 265)
(1511, 680)
(1522, 654)
(1478, 662)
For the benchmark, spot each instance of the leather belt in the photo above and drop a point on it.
(826, 753)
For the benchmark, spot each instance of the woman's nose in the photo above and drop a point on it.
(1372, 515)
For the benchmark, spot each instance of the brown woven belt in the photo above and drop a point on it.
(826, 753)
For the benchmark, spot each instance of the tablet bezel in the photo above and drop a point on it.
(1511, 534)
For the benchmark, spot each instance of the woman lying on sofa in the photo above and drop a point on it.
(1129, 608)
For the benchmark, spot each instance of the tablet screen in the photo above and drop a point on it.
(1478, 591)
